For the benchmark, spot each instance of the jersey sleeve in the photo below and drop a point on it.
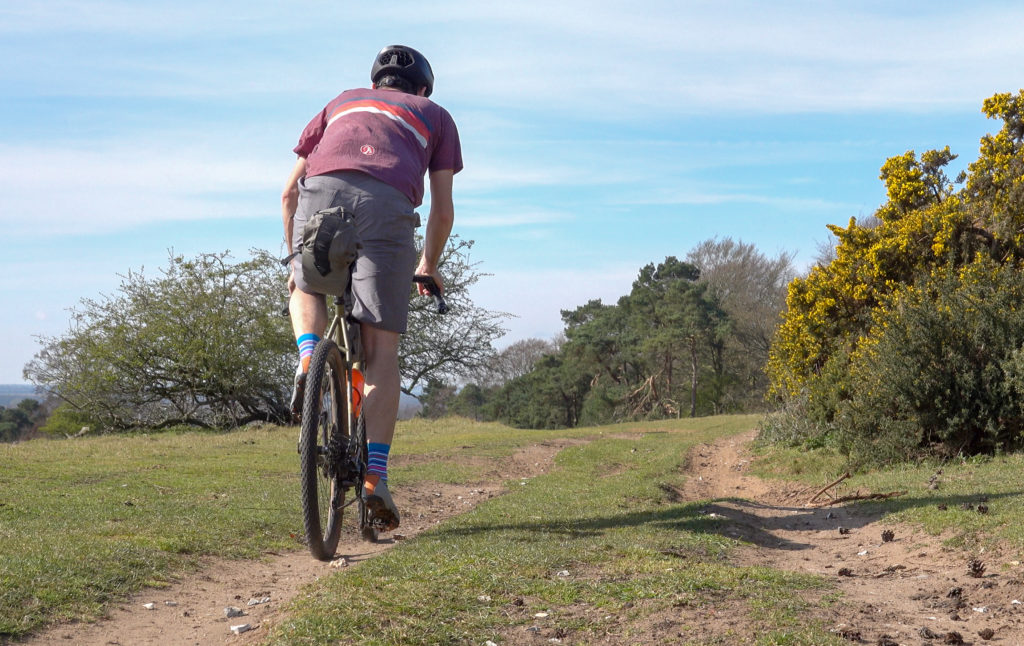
(312, 134)
(447, 154)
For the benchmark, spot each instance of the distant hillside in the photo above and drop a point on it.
(408, 407)
(11, 394)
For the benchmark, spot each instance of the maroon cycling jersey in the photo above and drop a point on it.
(390, 135)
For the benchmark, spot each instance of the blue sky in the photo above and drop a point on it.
(597, 136)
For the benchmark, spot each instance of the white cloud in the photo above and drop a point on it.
(597, 61)
(537, 296)
(492, 174)
(71, 190)
(781, 202)
(481, 215)
(157, 18)
(607, 59)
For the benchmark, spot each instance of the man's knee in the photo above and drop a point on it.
(308, 311)
(380, 345)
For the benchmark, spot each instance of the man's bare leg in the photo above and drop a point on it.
(308, 313)
(380, 410)
(383, 384)
(309, 316)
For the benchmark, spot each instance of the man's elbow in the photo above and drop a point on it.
(443, 213)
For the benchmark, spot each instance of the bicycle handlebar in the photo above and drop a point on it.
(435, 291)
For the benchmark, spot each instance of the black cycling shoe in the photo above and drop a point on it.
(298, 394)
(382, 510)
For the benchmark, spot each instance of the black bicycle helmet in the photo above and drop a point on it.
(404, 62)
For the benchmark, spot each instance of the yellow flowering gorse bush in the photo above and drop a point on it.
(927, 228)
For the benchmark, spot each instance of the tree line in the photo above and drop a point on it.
(691, 338)
(200, 343)
(18, 421)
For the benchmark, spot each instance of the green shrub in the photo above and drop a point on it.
(65, 420)
(793, 425)
(942, 371)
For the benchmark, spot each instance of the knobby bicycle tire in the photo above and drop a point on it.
(324, 415)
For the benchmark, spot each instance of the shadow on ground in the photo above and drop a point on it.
(732, 518)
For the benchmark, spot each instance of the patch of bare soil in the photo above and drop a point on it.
(898, 585)
(191, 611)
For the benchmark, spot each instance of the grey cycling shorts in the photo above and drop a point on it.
(386, 221)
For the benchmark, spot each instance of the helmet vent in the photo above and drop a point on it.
(399, 58)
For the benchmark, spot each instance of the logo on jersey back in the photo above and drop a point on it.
(367, 149)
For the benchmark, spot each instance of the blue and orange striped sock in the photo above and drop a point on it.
(376, 465)
(307, 343)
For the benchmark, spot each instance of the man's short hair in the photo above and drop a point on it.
(398, 83)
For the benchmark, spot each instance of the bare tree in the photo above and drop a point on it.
(752, 290)
(514, 361)
(457, 344)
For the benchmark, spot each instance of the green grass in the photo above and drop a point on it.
(83, 521)
(86, 521)
(601, 516)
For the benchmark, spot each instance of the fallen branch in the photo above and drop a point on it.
(859, 496)
(829, 486)
(797, 493)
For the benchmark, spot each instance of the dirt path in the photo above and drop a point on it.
(191, 611)
(909, 590)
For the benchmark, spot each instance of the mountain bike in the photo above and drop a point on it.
(332, 438)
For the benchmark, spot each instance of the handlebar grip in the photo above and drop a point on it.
(435, 291)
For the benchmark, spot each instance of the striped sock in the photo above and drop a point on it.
(377, 464)
(306, 343)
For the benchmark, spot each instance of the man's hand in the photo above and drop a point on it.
(424, 270)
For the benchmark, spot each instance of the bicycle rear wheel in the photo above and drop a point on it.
(323, 437)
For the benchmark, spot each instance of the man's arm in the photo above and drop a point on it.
(439, 225)
(290, 200)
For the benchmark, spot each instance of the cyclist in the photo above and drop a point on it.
(368, 151)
